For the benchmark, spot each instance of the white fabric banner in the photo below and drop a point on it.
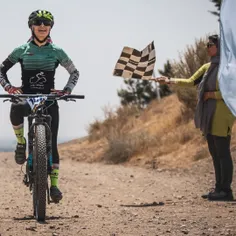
(227, 70)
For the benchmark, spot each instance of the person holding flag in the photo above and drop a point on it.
(213, 118)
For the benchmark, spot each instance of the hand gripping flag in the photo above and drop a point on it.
(227, 70)
(136, 64)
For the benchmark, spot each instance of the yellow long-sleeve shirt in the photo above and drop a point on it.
(223, 119)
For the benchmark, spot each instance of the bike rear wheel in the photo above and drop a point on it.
(40, 173)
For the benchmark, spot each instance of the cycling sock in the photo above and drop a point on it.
(54, 177)
(19, 132)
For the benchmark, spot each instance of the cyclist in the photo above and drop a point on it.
(39, 58)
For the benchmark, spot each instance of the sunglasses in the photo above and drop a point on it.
(210, 45)
(44, 22)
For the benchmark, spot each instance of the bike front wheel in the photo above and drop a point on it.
(40, 173)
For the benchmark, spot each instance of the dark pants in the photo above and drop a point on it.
(219, 148)
(21, 110)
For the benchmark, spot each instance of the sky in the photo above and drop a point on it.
(93, 34)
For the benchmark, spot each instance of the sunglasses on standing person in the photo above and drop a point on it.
(210, 44)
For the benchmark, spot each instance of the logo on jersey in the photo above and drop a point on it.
(38, 81)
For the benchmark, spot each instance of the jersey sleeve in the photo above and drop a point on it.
(194, 79)
(67, 63)
(15, 56)
(10, 61)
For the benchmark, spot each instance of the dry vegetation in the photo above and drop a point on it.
(152, 137)
(161, 136)
(158, 137)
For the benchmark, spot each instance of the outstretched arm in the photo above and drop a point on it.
(193, 80)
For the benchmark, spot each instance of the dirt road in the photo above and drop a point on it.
(108, 200)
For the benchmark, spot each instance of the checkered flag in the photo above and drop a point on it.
(136, 64)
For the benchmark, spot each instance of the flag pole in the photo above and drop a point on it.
(157, 84)
(157, 87)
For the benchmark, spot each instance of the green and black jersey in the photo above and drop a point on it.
(38, 66)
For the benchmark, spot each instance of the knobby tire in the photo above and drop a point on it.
(40, 173)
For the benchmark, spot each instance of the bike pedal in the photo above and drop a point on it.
(26, 181)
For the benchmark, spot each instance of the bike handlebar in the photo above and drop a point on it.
(49, 96)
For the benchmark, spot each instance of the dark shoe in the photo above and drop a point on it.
(221, 196)
(20, 155)
(56, 194)
(212, 191)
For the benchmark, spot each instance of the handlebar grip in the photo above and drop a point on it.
(74, 96)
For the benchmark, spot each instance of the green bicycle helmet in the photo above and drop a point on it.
(40, 14)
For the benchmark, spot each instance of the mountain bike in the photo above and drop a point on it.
(39, 161)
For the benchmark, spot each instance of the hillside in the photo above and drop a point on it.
(159, 137)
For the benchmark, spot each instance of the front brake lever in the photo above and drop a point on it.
(13, 100)
(6, 100)
(69, 99)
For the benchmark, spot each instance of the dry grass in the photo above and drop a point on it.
(161, 136)
(119, 129)
(201, 154)
(164, 129)
(121, 120)
(121, 147)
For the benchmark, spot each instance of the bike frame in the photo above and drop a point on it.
(36, 119)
